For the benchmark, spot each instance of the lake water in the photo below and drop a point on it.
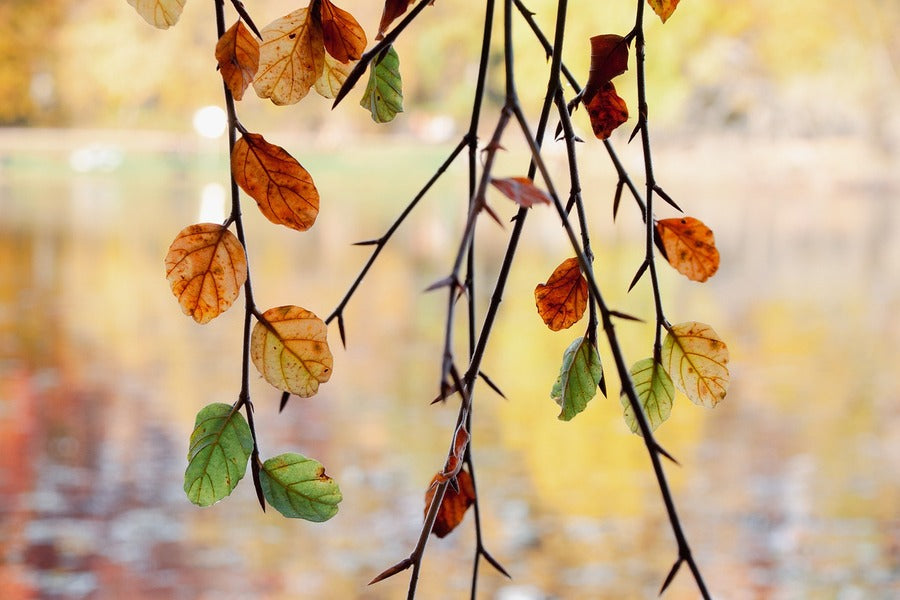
(789, 489)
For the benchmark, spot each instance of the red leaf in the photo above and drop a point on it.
(455, 504)
(344, 39)
(522, 191)
(606, 110)
(609, 58)
(392, 10)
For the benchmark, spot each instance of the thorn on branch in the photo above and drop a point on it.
(626, 316)
(671, 575)
(662, 451)
(340, 319)
(667, 198)
(640, 272)
(492, 385)
(284, 400)
(368, 243)
(618, 197)
(493, 562)
(391, 571)
(254, 470)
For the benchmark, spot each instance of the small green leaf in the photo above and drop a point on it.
(655, 393)
(579, 376)
(298, 488)
(221, 444)
(384, 92)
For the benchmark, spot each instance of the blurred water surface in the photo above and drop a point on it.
(789, 489)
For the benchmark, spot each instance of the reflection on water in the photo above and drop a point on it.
(788, 490)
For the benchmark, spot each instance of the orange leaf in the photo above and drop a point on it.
(690, 247)
(238, 54)
(392, 10)
(562, 300)
(455, 504)
(344, 39)
(206, 268)
(609, 58)
(292, 352)
(663, 8)
(291, 57)
(605, 109)
(282, 188)
(522, 191)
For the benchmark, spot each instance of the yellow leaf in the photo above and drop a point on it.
(292, 352)
(206, 268)
(334, 74)
(291, 57)
(664, 8)
(237, 53)
(162, 14)
(697, 360)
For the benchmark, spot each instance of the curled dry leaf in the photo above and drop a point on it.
(334, 74)
(562, 300)
(605, 109)
(689, 246)
(522, 191)
(344, 39)
(655, 393)
(454, 506)
(663, 8)
(282, 188)
(292, 352)
(206, 267)
(392, 10)
(237, 53)
(609, 58)
(291, 57)
(162, 14)
(697, 359)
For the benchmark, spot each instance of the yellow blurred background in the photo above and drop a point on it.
(775, 123)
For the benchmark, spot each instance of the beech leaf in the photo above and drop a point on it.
(292, 353)
(522, 191)
(334, 74)
(579, 377)
(162, 14)
(221, 445)
(282, 188)
(561, 301)
(605, 109)
(609, 58)
(291, 57)
(697, 359)
(206, 267)
(344, 39)
(298, 488)
(237, 53)
(689, 246)
(454, 505)
(663, 8)
(392, 10)
(655, 393)
(384, 92)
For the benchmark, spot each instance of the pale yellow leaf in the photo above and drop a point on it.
(334, 74)
(291, 351)
(291, 57)
(697, 360)
(162, 14)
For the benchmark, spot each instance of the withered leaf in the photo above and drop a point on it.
(344, 39)
(334, 74)
(291, 57)
(454, 506)
(282, 188)
(663, 8)
(206, 267)
(562, 300)
(697, 359)
(292, 353)
(237, 53)
(689, 246)
(609, 58)
(522, 191)
(162, 14)
(392, 10)
(606, 110)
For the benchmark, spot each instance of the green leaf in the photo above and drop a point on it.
(298, 488)
(221, 444)
(655, 393)
(384, 92)
(579, 376)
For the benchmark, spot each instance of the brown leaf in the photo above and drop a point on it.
(606, 110)
(562, 300)
(454, 506)
(663, 8)
(392, 10)
(206, 268)
(237, 52)
(344, 39)
(522, 191)
(282, 188)
(609, 58)
(690, 247)
(291, 57)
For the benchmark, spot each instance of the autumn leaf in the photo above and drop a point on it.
(609, 58)
(522, 191)
(384, 92)
(162, 14)
(655, 393)
(206, 267)
(697, 360)
(282, 188)
(292, 352)
(298, 488)
(334, 74)
(689, 246)
(454, 506)
(392, 10)
(237, 52)
(291, 57)
(344, 39)
(579, 377)
(605, 109)
(663, 8)
(221, 444)
(562, 300)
